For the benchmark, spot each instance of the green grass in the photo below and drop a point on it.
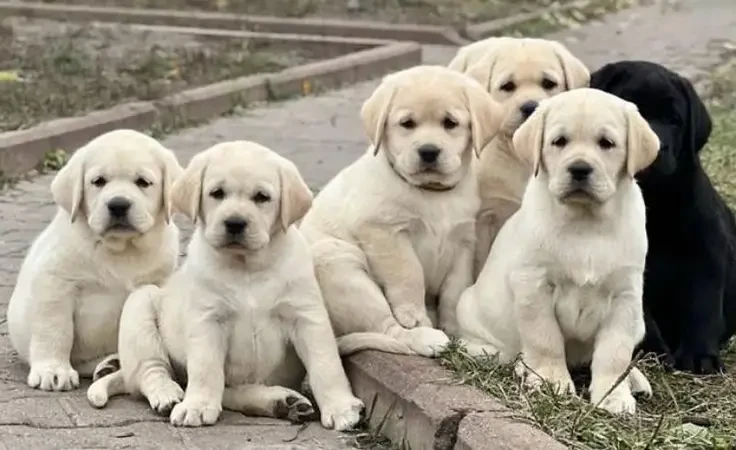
(685, 412)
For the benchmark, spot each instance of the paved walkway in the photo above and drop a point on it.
(321, 134)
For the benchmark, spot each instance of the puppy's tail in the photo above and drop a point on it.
(102, 389)
(355, 342)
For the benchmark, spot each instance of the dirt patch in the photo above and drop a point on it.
(441, 12)
(51, 69)
(686, 411)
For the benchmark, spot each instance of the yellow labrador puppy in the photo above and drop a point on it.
(563, 282)
(112, 233)
(243, 316)
(397, 227)
(519, 73)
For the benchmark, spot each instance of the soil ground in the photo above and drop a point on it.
(444, 12)
(51, 69)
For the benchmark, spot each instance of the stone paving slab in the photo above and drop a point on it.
(321, 134)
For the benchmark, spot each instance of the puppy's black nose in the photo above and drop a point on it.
(235, 225)
(118, 207)
(527, 108)
(429, 153)
(580, 170)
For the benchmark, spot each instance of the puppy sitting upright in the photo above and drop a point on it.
(519, 73)
(243, 315)
(112, 233)
(396, 228)
(563, 282)
(690, 282)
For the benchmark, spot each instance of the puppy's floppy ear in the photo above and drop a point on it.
(699, 124)
(481, 70)
(186, 191)
(642, 142)
(171, 171)
(486, 115)
(460, 61)
(528, 139)
(577, 74)
(375, 110)
(67, 188)
(296, 197)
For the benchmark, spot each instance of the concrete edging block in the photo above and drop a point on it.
(24, 150)
(414, 402)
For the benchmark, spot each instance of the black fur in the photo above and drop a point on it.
(690, 278)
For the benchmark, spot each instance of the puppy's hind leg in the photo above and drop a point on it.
(269, 401)
(144, 361)
(362, 317)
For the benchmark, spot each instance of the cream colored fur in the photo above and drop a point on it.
(563, 283)
(64, 312)
(391, 234)
(536, 69)
(243, 316)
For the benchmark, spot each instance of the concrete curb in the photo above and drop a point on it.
(498, 26)
(413, 401)
(428, 34)
(23, 150)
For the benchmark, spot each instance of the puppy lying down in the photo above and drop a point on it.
(563, 282)
(243, 316)
(112, 232)
(394, 231)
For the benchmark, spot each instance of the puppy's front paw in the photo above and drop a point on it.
(165, 397)
(427, 341)
(638, 383)
(342, 414)
(557, 377)
(698, 362)
(618, 402)
(409, 317)
(53, 376)
(195, 413)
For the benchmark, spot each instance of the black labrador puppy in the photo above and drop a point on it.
(690, 277)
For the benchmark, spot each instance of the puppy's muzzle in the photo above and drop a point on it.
(527, 108)
(429, 154)
(118, 208)
(579, 172)
(235, 226)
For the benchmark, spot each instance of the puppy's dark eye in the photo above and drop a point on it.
(99, 182)
(548, 84)
(217, 194)
(261, 197)
(560, 141)
(142, 182)
(509, 86)
(448, 123)
(409, 124)
(606, 144)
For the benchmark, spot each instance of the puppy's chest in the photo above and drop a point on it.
(580, 309)
(437, 235)
(259, 341)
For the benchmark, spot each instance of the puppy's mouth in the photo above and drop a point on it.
(120, 227)
(579, 193)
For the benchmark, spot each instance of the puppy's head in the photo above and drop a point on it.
(584, 142)
(426, 119)
(119, 182)
(242, 194)
(521, 72)
(667, 101)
